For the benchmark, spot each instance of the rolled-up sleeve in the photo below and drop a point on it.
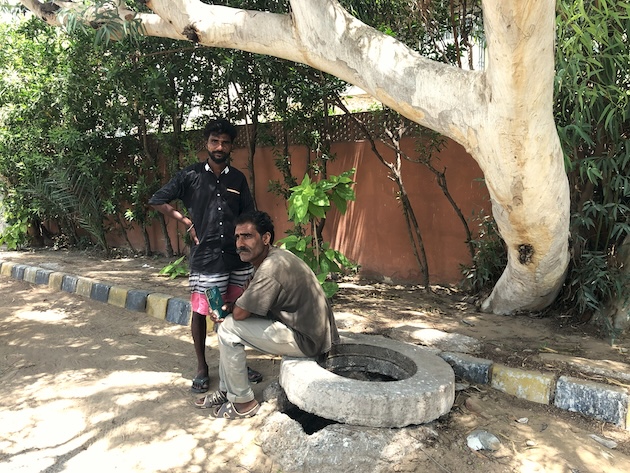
(170, 191)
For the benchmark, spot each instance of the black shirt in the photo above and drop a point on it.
(213, 205)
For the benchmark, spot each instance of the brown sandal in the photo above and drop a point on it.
(217, 398)
(228, 411)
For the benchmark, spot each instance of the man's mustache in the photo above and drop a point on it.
(219, 156)
(241, 250)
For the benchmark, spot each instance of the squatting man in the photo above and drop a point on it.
(283, 311)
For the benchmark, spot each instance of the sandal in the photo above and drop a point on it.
(254, 376)
(200, 384)
(228, 411)
(217, 398)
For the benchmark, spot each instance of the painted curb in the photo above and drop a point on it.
(524, 384)
(118, 296)
(84, 287)
(17, 272)
(100, 292)
(157, 304)
(43, 276)
(7, 267)
(69, 283)
(603, 402)
(137, 300)
(178, 311)
(469, 368)
(55, 280)
(30, 274)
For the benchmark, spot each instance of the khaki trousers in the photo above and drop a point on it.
(261, 334)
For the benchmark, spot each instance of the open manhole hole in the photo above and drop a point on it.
(368, 363)
(370, 381)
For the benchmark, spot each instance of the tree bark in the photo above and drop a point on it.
(502, 116)
(519, 152)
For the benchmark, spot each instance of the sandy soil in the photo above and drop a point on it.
(86, 386)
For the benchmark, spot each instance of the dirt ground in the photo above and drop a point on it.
(86, 386)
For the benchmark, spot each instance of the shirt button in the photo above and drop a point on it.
(219, 208)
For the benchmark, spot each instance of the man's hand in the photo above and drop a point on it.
(193, 235)
(169, 211)
(215, 317)
(228, 307)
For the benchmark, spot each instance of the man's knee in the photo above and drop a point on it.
(225, 329)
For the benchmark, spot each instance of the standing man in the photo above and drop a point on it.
(283, 311)
(214, 194)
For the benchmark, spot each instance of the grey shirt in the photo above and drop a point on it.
(284, 288)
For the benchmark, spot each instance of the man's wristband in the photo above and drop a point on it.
(190, 228)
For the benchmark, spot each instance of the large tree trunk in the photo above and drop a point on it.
(519, 152)
(502, 116)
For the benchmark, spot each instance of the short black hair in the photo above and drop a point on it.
(261, 220)
(220, 126)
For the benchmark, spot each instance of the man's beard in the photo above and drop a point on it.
(219, 158)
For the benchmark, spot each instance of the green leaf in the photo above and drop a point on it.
(316, 211)
(330, 288)
(340, 203)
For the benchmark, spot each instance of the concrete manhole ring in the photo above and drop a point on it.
(422, 389)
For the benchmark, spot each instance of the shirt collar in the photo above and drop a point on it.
(226, 169)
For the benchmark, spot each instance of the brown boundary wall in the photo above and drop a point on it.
(373, 230)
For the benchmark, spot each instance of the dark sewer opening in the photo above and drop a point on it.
(368, 363)
(310, 423)
(353, 373)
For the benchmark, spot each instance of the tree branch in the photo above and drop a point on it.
(425, 91)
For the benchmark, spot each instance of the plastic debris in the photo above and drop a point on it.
(522, 420)
(483, 440)
(605, 442)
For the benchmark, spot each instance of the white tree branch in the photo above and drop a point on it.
(425, 91)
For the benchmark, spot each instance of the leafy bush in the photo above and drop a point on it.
(490, 256)
(309, 203)
(15, 234)
(178, 268)
(592, 111)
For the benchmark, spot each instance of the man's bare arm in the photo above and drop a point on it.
(240, 314)
(169, 211)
